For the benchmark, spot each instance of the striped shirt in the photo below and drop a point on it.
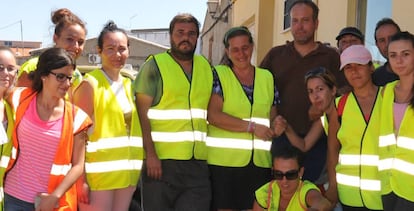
(38, 143)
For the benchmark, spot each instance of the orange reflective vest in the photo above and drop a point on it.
(73, 122)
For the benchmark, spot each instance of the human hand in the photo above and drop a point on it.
(279, 125)
(153, 165)
(83, 192)
(332, 195)
(46, 202)
(263, 132)
(314, 113)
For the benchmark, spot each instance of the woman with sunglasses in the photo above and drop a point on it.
(114, 151)
(49, 139)
(353, 136)
(239, 135)
(397, 130)
(286, 190)
(70, 33)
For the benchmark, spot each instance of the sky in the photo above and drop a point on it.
(33, 17)
(377, 9)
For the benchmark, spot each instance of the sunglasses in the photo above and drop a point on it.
(315, 72)
(289, 175)
(62, 77)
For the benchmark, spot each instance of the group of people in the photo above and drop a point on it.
(190, 136)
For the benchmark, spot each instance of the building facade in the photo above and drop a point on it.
(268, 20)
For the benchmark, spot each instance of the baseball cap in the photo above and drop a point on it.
(357, 54)
(350, 30)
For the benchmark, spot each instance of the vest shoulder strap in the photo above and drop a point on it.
(341, 105)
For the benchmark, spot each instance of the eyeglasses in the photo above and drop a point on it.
(290, 175)
(62, 77)
(9, 68)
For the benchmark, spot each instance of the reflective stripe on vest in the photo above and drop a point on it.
(110, 166)
(4, 161)
(177, 114)
(402, 142)
(355, 181)
(397, 164)
(5, 149)
(14, 153)
(357, 169)
(111, 146)
(114, 142)
(62, 161)
(1, 197)
(236, 149)
(387, 140)
(396, 148)
(232, 143)
(179, 120)
(187, 136)
(367, 160)
(60, 169)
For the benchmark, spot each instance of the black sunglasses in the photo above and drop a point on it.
(290, 175)
(62, 77)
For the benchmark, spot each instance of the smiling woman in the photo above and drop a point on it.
(48, 163)
(286, 190)
(114, 151)
(242, 106)
(69, 34)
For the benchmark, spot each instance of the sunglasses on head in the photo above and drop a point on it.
(290, 175)
(315, 72)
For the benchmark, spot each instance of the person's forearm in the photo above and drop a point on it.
(294, 139)
(71, 177)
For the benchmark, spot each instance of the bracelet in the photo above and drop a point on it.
(251, 127)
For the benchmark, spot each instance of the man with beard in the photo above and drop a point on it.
(289, 63)
(173, 89)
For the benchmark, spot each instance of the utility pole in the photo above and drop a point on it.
(21, 36)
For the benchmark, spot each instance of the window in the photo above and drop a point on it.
(286, 16)
(8, 43)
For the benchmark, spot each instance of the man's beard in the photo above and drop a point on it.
(182, 55)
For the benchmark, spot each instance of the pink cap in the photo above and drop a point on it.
(357, 54)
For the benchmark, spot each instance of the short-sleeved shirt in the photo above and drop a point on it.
(289, 69)
(149, 81)
(217, 89)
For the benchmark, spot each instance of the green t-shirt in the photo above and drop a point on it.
(148, 81)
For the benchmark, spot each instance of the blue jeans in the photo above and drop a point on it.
(14, 204)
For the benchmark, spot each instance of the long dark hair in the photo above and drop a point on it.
(52, 58)
(405, 35)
